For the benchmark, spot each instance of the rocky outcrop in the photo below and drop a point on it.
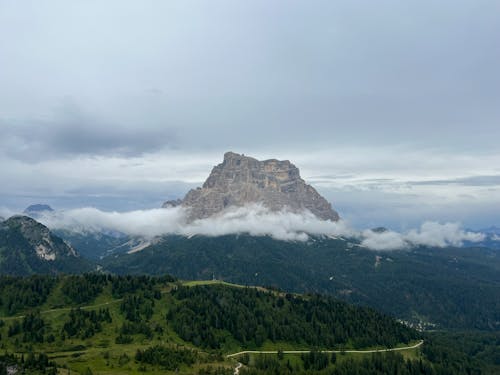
(240, 180)
(28, 247)
(44, 244)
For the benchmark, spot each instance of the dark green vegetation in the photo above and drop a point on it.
(95, 245)
(166, 357)
(432, 288)
(35, 364)
(205, 314)
(140, 324)
(455, 288)
(465, 349)
(17, 293)
(85, 324)
(326, 364)
(28, 247)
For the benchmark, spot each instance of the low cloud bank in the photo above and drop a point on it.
(255, 220)
(430, 233)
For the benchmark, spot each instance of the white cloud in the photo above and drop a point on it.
(255, 220)
(440, 235)
(148, 223)
(388, 240)
(430, 233)
(5, 212)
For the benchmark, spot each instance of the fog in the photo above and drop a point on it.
(255, 220)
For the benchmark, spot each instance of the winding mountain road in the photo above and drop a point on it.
(326, 351)
(239, 364)
(237, 368)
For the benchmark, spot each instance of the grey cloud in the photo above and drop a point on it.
(489, 180)
(281, 78)
(372, 208)
(241, 74)
(72, 131)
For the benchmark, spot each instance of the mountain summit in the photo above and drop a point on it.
(28, 247)
(241, 180)
(36, 211)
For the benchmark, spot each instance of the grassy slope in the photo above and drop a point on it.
(79, 354)
(104, 356)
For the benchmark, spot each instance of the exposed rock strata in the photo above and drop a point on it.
(45, 244)
(240, 180)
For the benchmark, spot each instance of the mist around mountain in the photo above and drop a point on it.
(254, 219)
(37, 208)
(491, 237)
(95, 245)
(241, 180)
(436, 277)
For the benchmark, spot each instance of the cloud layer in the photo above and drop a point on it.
(255, 220)
(124, 104)
(430, 233)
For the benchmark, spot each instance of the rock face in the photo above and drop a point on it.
(45, 245)
(241, 180)
(28, 247)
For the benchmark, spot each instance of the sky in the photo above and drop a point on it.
(390, 109)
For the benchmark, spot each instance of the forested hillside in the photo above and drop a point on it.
(437, 287)
(28, 247)
(105, 324)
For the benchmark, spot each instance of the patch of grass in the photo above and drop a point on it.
(210, 282)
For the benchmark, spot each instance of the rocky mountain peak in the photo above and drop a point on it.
(37, 211)
(241, 180)
(45, 244)
(38, 208)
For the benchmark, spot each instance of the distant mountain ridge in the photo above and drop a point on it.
(37, 210)
(240, 180)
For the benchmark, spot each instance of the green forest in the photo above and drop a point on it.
(105, 324)
(448, 288)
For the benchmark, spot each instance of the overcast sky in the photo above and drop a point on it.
(391, 109)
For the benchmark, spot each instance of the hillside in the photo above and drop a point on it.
(434, 287)
(109, 325)
(95, 245)
(28, 247)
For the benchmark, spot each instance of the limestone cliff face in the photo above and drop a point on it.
(241, 180)
(38, 236)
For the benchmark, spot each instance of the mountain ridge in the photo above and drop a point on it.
(27, 247)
